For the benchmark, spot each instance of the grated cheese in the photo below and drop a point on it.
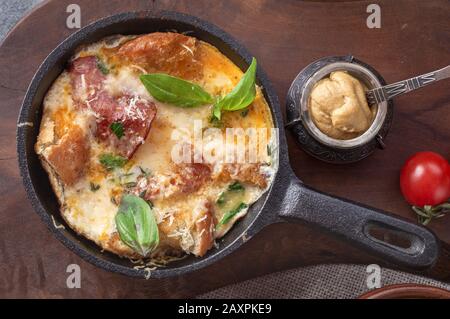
(188, 49)
(56, 225)
(202, 219)
(30, 124)
(186, 239)
(138, 68)
(148, 272)
(83, 82)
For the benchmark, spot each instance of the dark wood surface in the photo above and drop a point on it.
(285, 36)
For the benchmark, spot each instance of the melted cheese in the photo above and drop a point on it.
(91, 208)
(92, 213)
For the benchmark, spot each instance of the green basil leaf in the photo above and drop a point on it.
(236, 186)
(170, 89)
(228, 216)
(117, 128)
(111, 161)
(241, 96)
(145, 171)
(229, 198)
(94, 187)
(102, 67)
(217, 112)
(221, 200)
(136, 224)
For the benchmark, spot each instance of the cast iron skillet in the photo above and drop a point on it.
(287, 199)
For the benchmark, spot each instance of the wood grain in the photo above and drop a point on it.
(285, 36)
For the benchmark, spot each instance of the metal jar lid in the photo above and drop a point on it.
(310, 138)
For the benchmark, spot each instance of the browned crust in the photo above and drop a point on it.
(204, 227)
(55, 183)
(186, 179)
(68, 158)
(172, 53)
(115, 245)
(246, 173)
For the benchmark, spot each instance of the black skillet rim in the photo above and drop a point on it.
(269, 92)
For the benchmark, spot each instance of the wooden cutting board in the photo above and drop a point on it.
(285, 36)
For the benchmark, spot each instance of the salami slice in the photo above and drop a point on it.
(130, 114)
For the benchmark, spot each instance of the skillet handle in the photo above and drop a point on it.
(395, 240)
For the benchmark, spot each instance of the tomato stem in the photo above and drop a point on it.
(427, 213)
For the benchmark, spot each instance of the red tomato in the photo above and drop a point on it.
(425, 179)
